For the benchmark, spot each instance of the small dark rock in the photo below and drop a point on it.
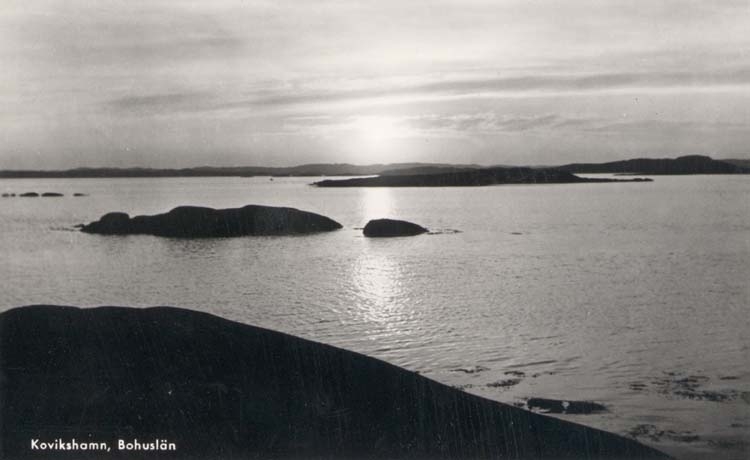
(392, 227)
(516, 373)
(470, 370)
(554, 406)
(507, 383)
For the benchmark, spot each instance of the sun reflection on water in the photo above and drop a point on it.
(379, 284)
(377, 202)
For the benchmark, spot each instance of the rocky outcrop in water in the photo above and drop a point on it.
(392, 227)
(220, 389)
(34, 195)
(199, 222)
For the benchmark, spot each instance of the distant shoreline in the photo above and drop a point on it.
(694, 164)
(306, 170)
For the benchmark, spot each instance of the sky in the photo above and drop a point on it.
(157, 83)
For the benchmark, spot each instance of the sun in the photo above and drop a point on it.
(377, 138)
(376, 130)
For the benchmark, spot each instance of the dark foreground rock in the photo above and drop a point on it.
(392, 227)
(219, 389)
(468, 178)
(199, 222)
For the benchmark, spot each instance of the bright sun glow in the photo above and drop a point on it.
(377, 139)
(376, 130)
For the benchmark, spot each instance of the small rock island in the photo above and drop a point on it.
(218, 389)
(200, 222)
(391, 227)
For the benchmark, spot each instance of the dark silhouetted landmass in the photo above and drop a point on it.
(392, 227)
(737, 162)
(220, 389)
(693, 164)
(431, 169)
(476, 177)
(322, 169)
(199, 222)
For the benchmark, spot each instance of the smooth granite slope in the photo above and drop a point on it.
(219, 389)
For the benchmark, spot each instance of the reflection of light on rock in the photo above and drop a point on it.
(377, 202)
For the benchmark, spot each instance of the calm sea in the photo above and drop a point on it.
(634, 295)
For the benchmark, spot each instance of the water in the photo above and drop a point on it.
(615, 293)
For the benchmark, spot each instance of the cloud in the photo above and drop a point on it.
(505, 86)
(284, 94)
(189, 101)
(667, 126)
(436, 124)
(138, 38)
(485, 122)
